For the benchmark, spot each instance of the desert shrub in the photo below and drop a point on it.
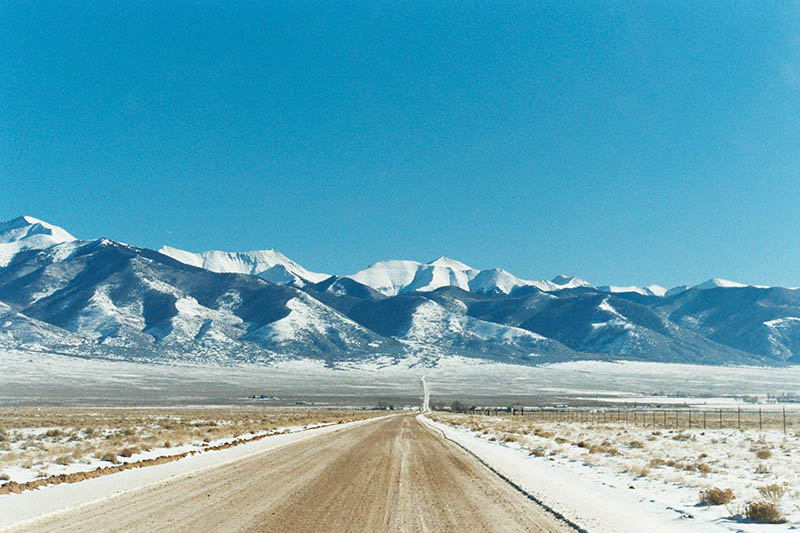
(772, 492)
(167, 444)
(510, 437)
(704, 468)
(765, 513)
(110, 457)
(762, 469)
(764, 454)
(64, 460)
(537, 452)
(582, 444)
(716, 496)
(4, 477)
(636, 444)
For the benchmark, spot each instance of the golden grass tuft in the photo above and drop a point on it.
(764, 453)
(716, 496)
(764, 513)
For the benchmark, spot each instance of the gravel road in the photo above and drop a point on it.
(393, 474)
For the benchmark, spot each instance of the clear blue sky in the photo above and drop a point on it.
(626, 144)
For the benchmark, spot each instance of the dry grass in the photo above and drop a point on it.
(772, 492)
(35, 438)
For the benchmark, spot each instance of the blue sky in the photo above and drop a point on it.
(656, 142)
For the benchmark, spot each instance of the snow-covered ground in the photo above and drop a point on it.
(15, 508)
(622, 478)
(36, 377)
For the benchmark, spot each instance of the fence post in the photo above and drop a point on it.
(690, 419)
(720, 418)
(704, 420)
(739, 417)
(759, 419)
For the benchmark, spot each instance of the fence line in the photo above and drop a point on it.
(663, 418)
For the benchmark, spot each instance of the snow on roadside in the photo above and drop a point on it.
(599, 499)
(16, 508)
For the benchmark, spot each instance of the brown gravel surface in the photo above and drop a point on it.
(393, 474)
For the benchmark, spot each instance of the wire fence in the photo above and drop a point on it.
(741, 419)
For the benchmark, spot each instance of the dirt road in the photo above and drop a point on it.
(392, 474)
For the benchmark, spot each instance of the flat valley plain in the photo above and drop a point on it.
(63, 415)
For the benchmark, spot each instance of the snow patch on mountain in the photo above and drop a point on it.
(310, 321)
(432, 322)
(101, 317)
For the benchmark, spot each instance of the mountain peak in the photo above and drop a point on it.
(446, 262)
(28, 233)
(27, 226)
(716, 283)
(567, 282)
(563, 279)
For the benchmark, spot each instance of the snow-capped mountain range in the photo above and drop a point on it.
(103, 298)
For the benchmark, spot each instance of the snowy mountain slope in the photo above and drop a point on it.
(649, 290)
(429, 324)
(395, 277)
(590, 321)
(28, 233)
(117, 295)
(752, 319)
(17, 329)
(312, 326)
(598, 322)
(562, 282)
(107, 299)
(716, 283)
(270, 265)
